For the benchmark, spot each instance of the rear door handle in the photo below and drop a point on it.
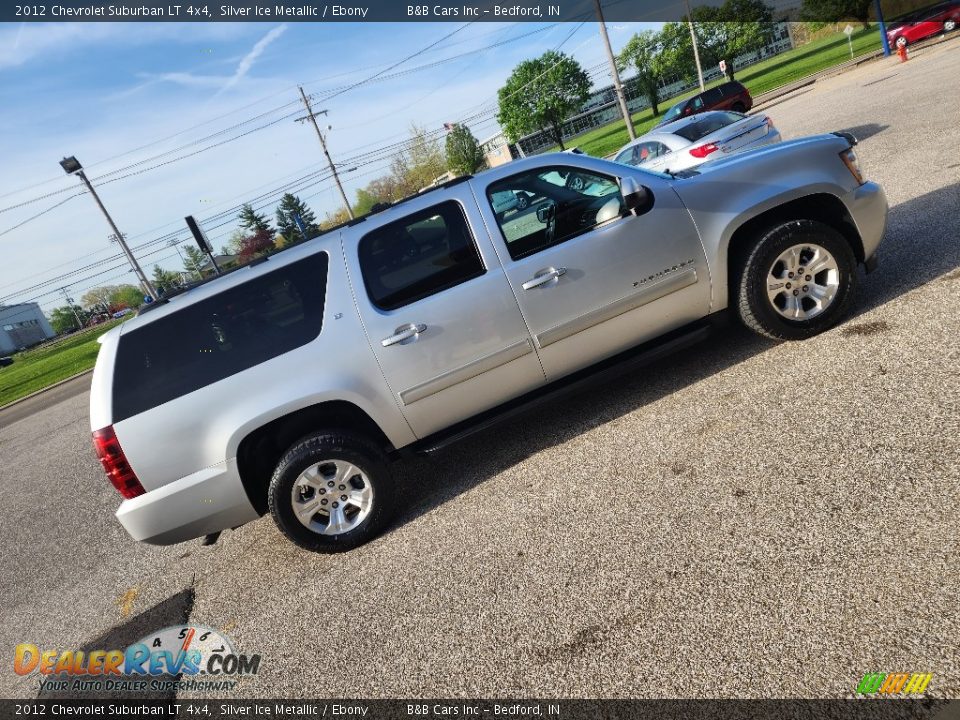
(543, 277)
(402, 333)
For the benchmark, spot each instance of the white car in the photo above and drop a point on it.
(691, 141)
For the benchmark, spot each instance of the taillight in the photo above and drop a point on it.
(703, 150)
(115, 463)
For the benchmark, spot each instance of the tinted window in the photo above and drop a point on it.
(712, 122)
(642, 152)
(712, 96)
(731, 89)
(219, 337)
(566, 202)
(418, 256)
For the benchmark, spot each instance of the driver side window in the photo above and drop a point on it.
(564, 202)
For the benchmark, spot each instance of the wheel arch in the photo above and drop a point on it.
(822, 207)
(261, 449)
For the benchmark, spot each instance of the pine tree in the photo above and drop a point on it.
(290, 206)
(252, 220)
(195, 261)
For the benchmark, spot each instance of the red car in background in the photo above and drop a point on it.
(942, 18)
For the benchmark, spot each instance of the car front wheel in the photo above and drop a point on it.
(798, 280)
(331, 492)
(901, 42)
(949, 25)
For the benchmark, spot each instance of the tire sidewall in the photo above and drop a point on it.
(317, 448)
(775, 242)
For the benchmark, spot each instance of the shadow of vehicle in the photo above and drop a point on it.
(862, 132)
(920, 245)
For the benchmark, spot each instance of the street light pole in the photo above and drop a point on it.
(615, 74)
(72, 167)
(312, 116)
(693, 39)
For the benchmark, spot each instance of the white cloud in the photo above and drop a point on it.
(251, 57)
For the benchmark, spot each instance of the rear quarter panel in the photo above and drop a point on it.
(731, 191)
(204, 428)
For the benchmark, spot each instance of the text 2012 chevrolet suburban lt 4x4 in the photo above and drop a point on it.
(287, 385)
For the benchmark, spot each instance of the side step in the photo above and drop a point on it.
(577, 382)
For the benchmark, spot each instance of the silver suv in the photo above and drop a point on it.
(289, 385)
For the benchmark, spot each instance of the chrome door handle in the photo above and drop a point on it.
(542, 278)
(404, 332)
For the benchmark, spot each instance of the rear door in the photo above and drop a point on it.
(438, 311)
(592, 280)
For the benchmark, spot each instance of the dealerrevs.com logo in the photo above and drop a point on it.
(894, 683)
(148, 665)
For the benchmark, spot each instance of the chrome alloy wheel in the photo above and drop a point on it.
(803, 282)
(332, 497)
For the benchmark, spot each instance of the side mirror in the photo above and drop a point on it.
(635, 196)
(545, 213)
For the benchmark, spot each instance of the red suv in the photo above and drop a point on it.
(729, 96)
(940, 18)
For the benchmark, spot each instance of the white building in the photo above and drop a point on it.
(22, 326)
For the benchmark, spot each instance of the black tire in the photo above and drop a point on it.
(522, 202)
(331, 446)
(757, 310)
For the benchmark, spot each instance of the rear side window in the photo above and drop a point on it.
(731, 89)
(418, 256)
(219, 337)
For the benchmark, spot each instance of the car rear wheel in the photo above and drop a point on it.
(331, 492)
(522, 201)
(798, 280)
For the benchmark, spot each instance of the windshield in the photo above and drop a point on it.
(708, 125)
(673, 113)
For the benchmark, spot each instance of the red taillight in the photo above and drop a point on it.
(115, 463)
(703, 150)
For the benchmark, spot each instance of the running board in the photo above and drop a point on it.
(577, 382)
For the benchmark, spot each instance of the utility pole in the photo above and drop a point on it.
(884, 41)
(70, 301)
(615, 74)
(693, 39)
(312, 117)
(72, 167)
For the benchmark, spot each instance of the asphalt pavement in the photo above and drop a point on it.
(747, 519)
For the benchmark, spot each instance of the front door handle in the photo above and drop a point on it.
(403, 333)
(543, 277)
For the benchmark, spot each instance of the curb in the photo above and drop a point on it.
(43, 390)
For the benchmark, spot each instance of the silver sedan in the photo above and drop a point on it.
(688, 142)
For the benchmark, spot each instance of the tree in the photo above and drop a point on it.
(655, 56)
(64, 318)
(734, 28)
(540, 93)
(165, 280)
(234, 243)
(420, 163)
(252, 220)
(837, 10)
(290, 206)
(98, 297)
(259, 243)
(125, 296)
(464, 156)
(195, 261)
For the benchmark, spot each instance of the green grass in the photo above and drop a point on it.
(762, 77)
(34, 370)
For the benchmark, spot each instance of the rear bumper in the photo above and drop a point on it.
(205, 502)
(868, 208)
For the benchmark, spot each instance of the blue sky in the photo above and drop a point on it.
(100, 91)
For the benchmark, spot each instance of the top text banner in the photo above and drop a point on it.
(397, 11)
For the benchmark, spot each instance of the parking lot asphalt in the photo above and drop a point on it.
(746, 519)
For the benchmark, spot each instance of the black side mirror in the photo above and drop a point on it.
(636, 198)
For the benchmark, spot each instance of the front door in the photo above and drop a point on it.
(439, 313)
(591, 279)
